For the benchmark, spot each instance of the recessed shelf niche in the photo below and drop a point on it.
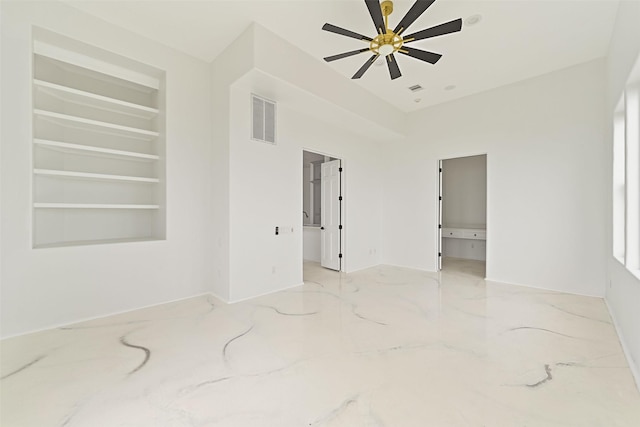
(98, 146)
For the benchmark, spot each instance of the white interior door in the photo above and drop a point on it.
(330, 215)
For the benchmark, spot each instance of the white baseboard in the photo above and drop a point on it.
(115, 313)
(634, 369)
(233, 301)
(507, 282)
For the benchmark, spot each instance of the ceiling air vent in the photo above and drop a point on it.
(263, 120)
(415, 88)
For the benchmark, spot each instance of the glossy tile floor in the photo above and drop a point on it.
(382, 347)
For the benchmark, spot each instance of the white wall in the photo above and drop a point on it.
(234, 62)
(623, 292)
(46, 287)
(546, 197)
(259, 186)
(266, 189)
(265, 181)
(464, 191)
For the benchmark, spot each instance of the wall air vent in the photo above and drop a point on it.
(415, 88)
(263, 113)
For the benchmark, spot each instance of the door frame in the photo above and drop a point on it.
(342, 204)
(438, 206)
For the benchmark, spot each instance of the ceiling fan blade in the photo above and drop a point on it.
(333, 29)
(345, 55)
(422, 55)
(365, 67)
(376, 14)
(414, 13)
(438, 30)
(394, 70)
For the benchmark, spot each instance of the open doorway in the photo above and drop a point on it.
(322, 210)
(462, 214)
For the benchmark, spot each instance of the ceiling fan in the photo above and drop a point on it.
(387, 41)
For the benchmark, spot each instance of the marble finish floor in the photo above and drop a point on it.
(385, 346)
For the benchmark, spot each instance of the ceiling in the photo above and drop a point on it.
(514, 40)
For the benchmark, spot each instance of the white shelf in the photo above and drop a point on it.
(70, 174)
(72, 56)
(87, 98)
(99, 126)
(91, 206)
(95, 242)
(68, 147)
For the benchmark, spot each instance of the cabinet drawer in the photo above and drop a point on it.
(475, 234)
(452, 232)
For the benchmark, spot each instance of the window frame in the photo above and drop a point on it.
(626, 175)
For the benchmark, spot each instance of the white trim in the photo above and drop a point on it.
(635, 370)
(115, 313)
(424, 270)
(508, 282)
(218, 297)
(362, 269)
(234, 301)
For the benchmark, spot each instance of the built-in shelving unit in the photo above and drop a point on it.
(98, 146)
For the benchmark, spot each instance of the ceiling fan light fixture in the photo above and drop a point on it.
(386, 49)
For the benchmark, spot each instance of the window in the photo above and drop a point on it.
(626, 175)
(619, 183)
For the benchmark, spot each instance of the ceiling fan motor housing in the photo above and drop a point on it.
(386, 44)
